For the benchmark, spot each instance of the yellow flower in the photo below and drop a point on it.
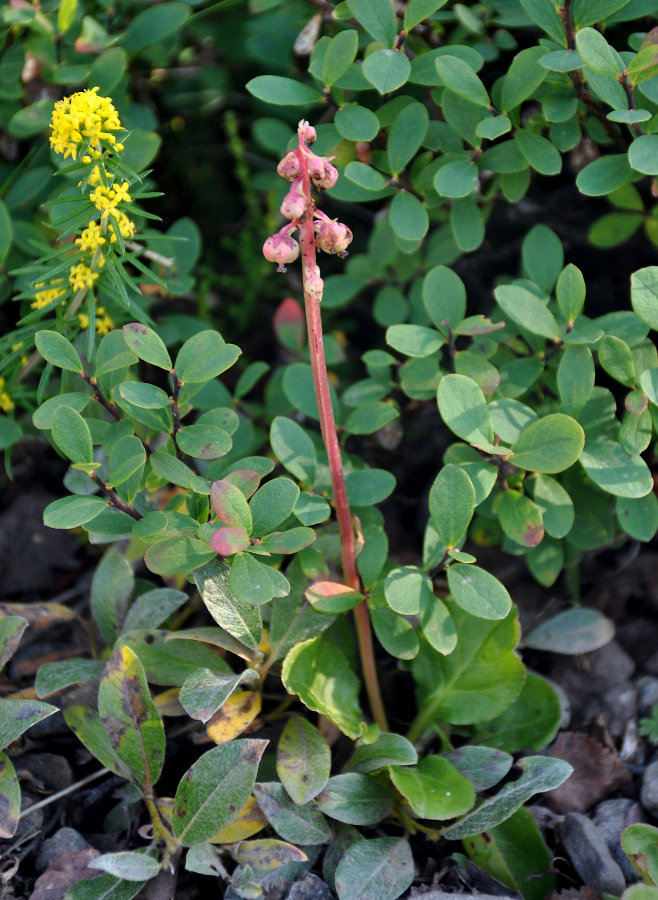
(104, 323)
(6, 403)
(91, 237)
(83, 120)
(82, 276)
(126, 226)
(24, 357)
(46, 297)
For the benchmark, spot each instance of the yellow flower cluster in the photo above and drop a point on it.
(6, 403)
(91, 237)
(84, 120)
(24, 357)
(106, 200)
(104, 322)
(81, 276)
(45, 297)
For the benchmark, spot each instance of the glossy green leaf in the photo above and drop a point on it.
(604, 175)
(146, 396)
(467, 224)
(570, 292)
(303, 760)
(71, 435)
(378, 19)
(339, 56)
(176, 555)
(444, 297)
(483, 766)
(540, 773)
(319, 673)
(204, 356)
(280, 91)
(642, 154)
(386, 70)
(549, 445)
(530, 723)
(357, 123)
(405, 588)
(616, 359)
(596, 53)
(615, 471)
(214, 789)
(527, 310)
(523, 77)
(408, 217)
(478, 592)
(456, 179)
(413, 340)
(638, 517)
(575, 378)
(539, 152)
(366, 487)
(406, 135)
(460, 78)
(127, 457)
(272, 503)
(154, 24)
(55, 349)
(255, 582)
(520, 519)
(555, 504)
(589, 12)
(418, 10)
(493, 127)
(355, 799)
(70, 512)
(464, 409)
(146, 345)
(644, 295)
(388, 749)
(452, 504)
(546, 14)
(434, 789)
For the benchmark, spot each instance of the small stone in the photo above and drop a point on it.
(649, 792)
(611, 664)
(65, 840)
(619, 706)
(309, 887)
(588, 851)
(611, 817)
(647, 694)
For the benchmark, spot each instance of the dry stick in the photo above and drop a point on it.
(71, 789)
(330, 439)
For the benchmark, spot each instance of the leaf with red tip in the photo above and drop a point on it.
(228, 541)
(231, 505)
(332, 597)
(246, 479)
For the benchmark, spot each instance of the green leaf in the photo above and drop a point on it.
(294, 449)
(478, 592)
(107, 69)
(572, 632)
(437, 623)
(467, 224)
(478, 680)
(381, 868)
(531, 722)
(597, 54)
(394, 632)
(388, 749)
(483, 766)
(204, 356)
(434, 789)
(640, 842)
(111, 589)
(281, 91)
(340, 55)
(543, 256)
(6, 232)
(146, 396)
(545, 13)
(295, 823)
(127, 864)
(370, 417)
(523, 78)
(527, 310)
(644, 295)
(549, 445)
(444, 297)
(460, 78)
(367, 487)
(54, 677)
(413, 340)
(520, 519)
(303, 760)
(204, 691)
(66, 14)
(570, 292)
(131, 718)
(272, 503)
(408, 217)
(331, 597)
(456, 179)
(176, 555)
(540, 774)
(642, 154)
(357, 123)
(214, 790)
(452, 504)
(644, 65)
(418, 10)
(319, 673)
(638, 518)
(10, 798)
(355, 799)
(493, 127)
(615, 471)
(555, 504)
(146, 344)
(71, 435)
(386, 70)
(378, 19)
(299, 390)
(70, 512)
(405, 588)
(406, 135)
(152, 25)
(464, 409)
(16, 716)
(127, 457)
(231, 505)
(575, 378)
(241, 619)
(616, 359)
(57, 350)
(604, 175)
(255, 582)
(104, 887)
(514, 852)
(589, 12)
(11, 631)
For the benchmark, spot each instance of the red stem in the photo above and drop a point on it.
(330, 439)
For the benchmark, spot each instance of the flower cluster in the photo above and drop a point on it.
(6, 403)
(84, 121)
(104, 322)
(47, 295)
(301, 167)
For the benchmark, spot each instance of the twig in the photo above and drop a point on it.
(114, 498)
(71, 789)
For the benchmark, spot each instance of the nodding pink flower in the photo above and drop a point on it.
(295, 202)
(324, 175)
(313, 283)
(280, 248)
(332, 236)
(289, 166)
(306, 132)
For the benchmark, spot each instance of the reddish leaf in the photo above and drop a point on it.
(246, 479)
(598, 771)
(228, 541)
(289, 326)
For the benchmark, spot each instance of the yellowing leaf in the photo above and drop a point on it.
(267, 854)
(167, 703)
(250, 821)
(234, 717)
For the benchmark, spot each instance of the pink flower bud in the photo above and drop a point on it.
(281, 248)
(313, 283)
(289, 166)
(324, 175)
(332, 236)
(306, 132)
(294, 203)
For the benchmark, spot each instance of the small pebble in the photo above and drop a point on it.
(587, 849)
(647, 694)
(611, 817)
(65, 840)
(649, 792)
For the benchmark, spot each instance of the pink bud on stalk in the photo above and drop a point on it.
(306, 132)
(332, 236)
(323, 174)
(313, 283)
(294, 203)
(281, 248)
(289, 166)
